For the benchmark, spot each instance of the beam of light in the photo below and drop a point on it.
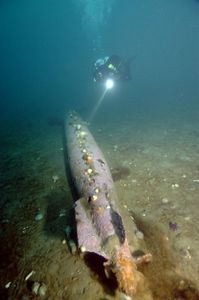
(93, 113)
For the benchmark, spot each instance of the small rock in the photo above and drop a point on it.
(35, 287)
(55, 178)
(39, 216)
(8, 285)
(42, 290)
(83, 249)
(139, 234)
(165, 200)
(175, 185)
(39, 289)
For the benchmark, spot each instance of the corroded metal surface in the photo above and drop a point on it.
(100, 227)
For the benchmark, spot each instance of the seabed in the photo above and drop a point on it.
(155, 165)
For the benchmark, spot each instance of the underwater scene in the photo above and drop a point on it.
(99, 148)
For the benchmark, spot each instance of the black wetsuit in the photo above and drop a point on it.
(114, 68)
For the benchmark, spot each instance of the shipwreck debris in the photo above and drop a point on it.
(99, 225)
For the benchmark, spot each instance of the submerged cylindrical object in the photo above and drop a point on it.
(100, 228)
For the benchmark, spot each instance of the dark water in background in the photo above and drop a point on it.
(48, 47)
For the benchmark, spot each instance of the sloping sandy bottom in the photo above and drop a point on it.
(155, 165)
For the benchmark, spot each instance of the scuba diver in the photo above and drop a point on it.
(112, 68)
